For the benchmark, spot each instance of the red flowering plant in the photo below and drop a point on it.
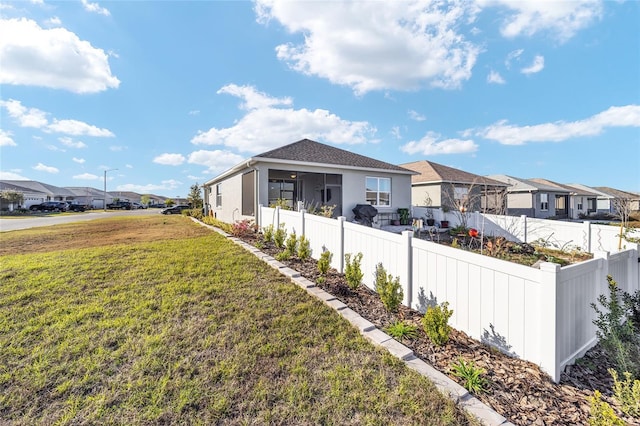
(473, 233)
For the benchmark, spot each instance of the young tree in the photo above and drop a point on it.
(195, 196)
(11, 196)
(145, 199)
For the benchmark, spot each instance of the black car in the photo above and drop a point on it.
(76, 208)
(49, 206)
(175, 209)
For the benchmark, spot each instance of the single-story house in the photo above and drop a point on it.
(446, 187)
(534, 199)
(582, 202)
(36, 192)
(309, 172)
(632, 199)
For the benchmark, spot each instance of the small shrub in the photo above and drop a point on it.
(283, 255)
(304, 248)
(472, 376)
(626, 393)
(292, 243)
(324, 263)
(615, 332)
(259, 244)
(435, 322)
(402, 329)
(388, 289)
(632, 305)
(282, 203)
(321, 279)
(243, 228)
(352, 271)
(279, 236)
(601, 413)
(267, 234)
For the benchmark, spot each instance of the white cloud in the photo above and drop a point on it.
(129, 166)
(166, 185)
(395, 132)
(87, 176)
(78, 160)
(6, 139)
(55, 148)
(117, 148)
(66, 141)
(536, 66)
(53, 22)
(495, 78)
(252, 98)
(508, 134)
(216, 161)
(377, 45)
(416, 116)
(265, 127)
(54, 58)
(169, 159)
(42, 168)
(196, 178)
(4, 175)
(194, 112)
(514, 55)
(562, 19)
(77, 128)
(95, 8)
(431, 144)
(26, 117)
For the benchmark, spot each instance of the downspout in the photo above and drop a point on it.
(256, 198)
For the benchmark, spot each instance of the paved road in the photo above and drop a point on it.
(55, 219)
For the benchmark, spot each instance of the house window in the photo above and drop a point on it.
(218, 195)
(248, 193)
(580, 203)
(378, 191)
(544, 202)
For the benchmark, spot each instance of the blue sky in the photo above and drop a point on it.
(174, 93)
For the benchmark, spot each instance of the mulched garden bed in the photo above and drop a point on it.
(518, 389)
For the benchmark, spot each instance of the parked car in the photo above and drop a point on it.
(136, 206)
(157, 206)
(175, 209)
(76, 207)
(119, 205)
(49, 206)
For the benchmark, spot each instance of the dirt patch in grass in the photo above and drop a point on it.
(97, 233)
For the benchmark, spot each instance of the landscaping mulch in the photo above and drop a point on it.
(519, 390)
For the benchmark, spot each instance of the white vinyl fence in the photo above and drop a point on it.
(541, 315)
(585, 236)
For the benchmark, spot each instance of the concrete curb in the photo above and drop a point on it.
(444, 384)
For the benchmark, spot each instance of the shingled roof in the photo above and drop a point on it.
(430, 172)
(309, 151)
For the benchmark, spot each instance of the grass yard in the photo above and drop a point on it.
(156, 320)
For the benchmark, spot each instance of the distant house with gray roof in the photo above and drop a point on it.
(310, 172)
(535, 199)
(36, 192)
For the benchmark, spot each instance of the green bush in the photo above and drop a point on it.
(279, 236)
(472, 376)
(352, 271)
(616, 331)
(402, 329)
(197, 213)
(267, 233)
(292, 243)
(601, 413)
(304, 248)
(324, 263)
(435, 322)
(627, 393)
(388, 288)
(283, 255)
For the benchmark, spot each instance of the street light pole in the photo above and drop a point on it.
(105, 188)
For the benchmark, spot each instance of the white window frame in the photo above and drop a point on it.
(377, 190)
(581, 203)
(544, 202)
(219, 195)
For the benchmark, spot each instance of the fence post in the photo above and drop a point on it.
(276, 221)
(549, 319)
(302, 220)
(523, 218)
(340, 253)
(587, 231)
(259, 216)
(406, 272)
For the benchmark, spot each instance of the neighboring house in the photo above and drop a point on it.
(603, 201)
(632, 199)
(533, 199)
(37, 192)
(88, 196)
(442, 186)
(29, 196)
(582, 202)
(309, 172)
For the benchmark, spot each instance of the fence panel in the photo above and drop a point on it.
(376, 246)
(323, 234)
(494, 301)
(510, 227)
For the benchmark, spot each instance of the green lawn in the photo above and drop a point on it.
(184, 330)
